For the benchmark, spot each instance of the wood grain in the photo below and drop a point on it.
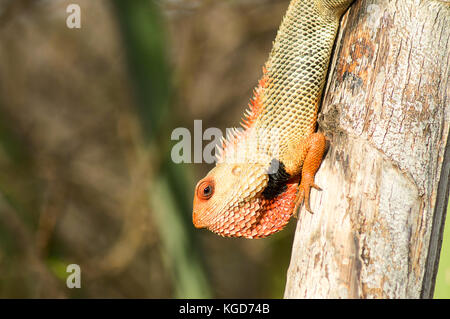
(378, 222)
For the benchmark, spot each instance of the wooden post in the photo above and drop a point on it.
(377, 227)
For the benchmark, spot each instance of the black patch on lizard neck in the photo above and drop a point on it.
(278, 178)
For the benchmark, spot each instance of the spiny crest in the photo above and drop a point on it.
(256, 103)
(255, 107)
(227, 143)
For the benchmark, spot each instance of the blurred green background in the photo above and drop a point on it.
(442, 289)
(86, 177)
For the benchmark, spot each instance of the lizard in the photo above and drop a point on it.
(265, 171)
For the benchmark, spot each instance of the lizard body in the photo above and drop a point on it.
(266, 171)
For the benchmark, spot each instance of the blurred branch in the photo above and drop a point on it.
(178, 250)
(144, 38)
(144, 42)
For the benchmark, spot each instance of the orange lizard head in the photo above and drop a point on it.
(253, 198)
(237, 200)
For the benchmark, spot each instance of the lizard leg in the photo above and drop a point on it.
(315, 148)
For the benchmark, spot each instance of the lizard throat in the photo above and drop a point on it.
(278, 178)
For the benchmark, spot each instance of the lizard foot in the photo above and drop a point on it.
(304, 189)
(315, 148)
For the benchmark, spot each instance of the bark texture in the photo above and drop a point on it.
(377, 227)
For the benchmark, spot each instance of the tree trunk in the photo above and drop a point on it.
(377, 227)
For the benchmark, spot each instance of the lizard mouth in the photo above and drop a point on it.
(197, 221)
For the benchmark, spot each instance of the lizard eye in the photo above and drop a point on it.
(205, 190)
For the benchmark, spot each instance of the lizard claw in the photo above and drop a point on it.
(303, 195)
(315, 148)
